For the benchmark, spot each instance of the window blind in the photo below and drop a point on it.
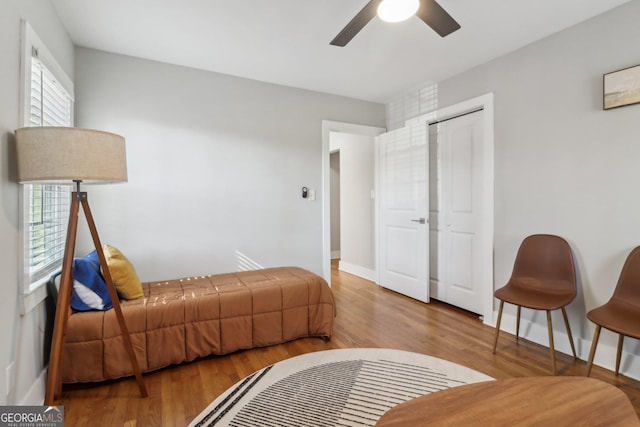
(47, 208)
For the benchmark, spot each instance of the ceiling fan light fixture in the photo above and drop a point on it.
(397, 10)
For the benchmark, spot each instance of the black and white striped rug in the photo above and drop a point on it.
(346, 387)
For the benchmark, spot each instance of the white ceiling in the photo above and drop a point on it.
(287, 41)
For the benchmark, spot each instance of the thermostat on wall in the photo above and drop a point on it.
(308, 193)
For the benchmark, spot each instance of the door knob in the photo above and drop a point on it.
(419, 220)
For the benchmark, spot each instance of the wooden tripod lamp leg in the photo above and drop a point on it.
(53, 388)
(114, 296)
(56, 357)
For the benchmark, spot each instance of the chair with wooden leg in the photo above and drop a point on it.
(621, 314)
(543, 278)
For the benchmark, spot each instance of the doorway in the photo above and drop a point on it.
(352, 203)
(341, 127)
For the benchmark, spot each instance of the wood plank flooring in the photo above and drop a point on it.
(368, 316)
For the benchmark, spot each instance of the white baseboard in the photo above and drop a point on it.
(605, 353)
(35, 394)
(335, 254)
(357, 270)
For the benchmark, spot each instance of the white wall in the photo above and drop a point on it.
(216, 165)
(562, 164)
(357, 206)
(334, 167)
(20, 336)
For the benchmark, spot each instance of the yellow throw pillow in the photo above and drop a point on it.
(124, 275)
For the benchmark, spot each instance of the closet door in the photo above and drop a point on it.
(456, 224)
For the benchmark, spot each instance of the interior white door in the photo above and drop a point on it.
(456, 231)
(403, 206)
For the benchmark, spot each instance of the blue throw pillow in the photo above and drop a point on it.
(89, 288)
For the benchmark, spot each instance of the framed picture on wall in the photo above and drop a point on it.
(621, 87)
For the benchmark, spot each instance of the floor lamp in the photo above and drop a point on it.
(65, 155)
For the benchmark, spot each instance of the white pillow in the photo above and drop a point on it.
(87, 296)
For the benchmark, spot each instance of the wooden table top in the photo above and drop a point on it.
(518, 401)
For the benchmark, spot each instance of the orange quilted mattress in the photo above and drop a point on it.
(181, 320)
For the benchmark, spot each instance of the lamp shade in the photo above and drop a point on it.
(60, 155)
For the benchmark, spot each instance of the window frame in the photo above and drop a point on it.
(33, 293)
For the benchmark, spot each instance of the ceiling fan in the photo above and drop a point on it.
(428, 10)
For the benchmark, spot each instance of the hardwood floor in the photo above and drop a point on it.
(368, 316)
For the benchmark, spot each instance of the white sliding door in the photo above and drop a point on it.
(457, 235)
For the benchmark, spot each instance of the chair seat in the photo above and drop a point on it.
(529, 292)
(617, 316)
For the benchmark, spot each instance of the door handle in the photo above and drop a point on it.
(419, 220)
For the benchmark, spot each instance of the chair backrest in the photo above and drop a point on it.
(628, 287)
(545, 256)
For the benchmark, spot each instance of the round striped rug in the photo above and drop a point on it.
(345, 387)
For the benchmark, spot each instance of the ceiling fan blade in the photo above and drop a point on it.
(437, 18)
(367, 13)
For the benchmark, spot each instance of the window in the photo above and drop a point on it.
(47, 101)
